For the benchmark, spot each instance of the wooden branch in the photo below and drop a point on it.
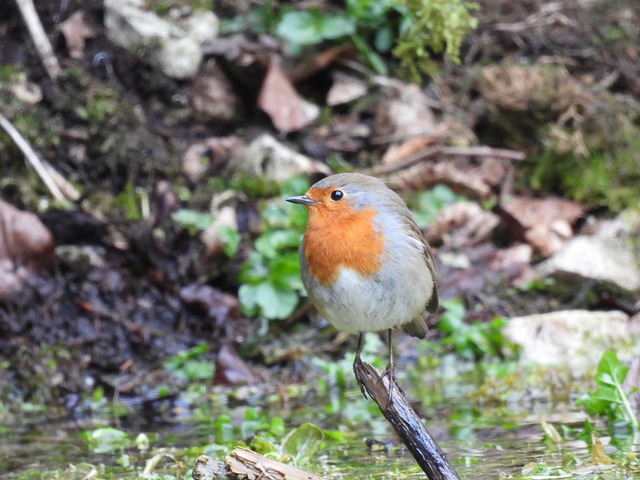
(244, 463)
(32, 158)
(384, 390)
(40, 39)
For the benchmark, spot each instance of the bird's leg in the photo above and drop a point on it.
(358, 349)
(390, 367)
(389, 371)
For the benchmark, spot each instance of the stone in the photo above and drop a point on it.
(571, 338)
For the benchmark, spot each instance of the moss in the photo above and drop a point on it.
(436, 26)
(595, 160)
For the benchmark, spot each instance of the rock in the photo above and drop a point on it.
(571, 338)
(175, 50)
(608, 260)
(266, 157)
(180, 58)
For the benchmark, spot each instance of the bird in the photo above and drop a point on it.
(364, 262)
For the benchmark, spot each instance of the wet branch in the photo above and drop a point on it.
(384, 390)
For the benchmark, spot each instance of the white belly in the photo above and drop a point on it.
(354, 305)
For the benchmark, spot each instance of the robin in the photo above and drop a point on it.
(364, 262)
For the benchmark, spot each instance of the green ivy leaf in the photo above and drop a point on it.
(303, 442)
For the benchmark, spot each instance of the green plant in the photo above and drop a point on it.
(298, 446)
(426, 205)
(476, 340)
(610, 398)
(265, 434)
(270, 277)
(438, 25)
(192, 220)
(311, 27)
(106, 440)
(188, 364)
(420, 27)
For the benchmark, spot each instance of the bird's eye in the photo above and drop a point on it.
(337, 195)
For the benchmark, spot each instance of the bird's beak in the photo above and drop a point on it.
(303, 200)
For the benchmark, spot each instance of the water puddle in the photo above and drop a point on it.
(487, 421)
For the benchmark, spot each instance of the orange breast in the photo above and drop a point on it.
(341, 237)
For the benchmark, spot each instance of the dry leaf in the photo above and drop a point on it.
(281, 102)
(24, 240)
(233, 370)
(76, 31)
(345, 88)
(26, 247)
(546, 222)
(404, 113)
(463, 223)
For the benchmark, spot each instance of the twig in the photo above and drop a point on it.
(484, 151)
(40, 39)
(32, 157)
(384, 390)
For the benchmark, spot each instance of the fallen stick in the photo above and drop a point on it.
(32, 158)
(384, 390)
(40, 39)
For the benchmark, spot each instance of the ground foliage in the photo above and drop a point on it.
(132, 285)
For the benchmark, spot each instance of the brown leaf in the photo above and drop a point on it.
(319, 62)
(514, 263)
(345, 89)
(232, 370)
(24, 240)
(26, 247)
(529, 212)
(463, 223)
(279, 99)
(545, 222)
(404, 112)
(75, 32)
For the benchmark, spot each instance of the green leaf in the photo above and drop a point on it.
(107, 440)
(263, 446)
(192, 220)
(336, 26)
(310, 27)
(284, 272)
(383, 40)
(272, 243)
(247, 295)
(275, 303)
(303, 442)
(609, 398)
(612, 370)
(300, 27)
(265, 298)
(230, 240)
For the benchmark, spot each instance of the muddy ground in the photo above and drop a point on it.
(126, 291)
